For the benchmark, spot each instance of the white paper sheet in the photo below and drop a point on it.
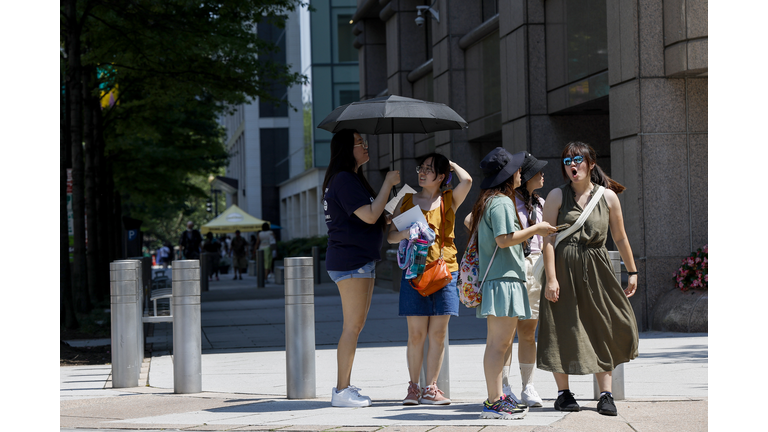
(405, 220)
(390, 207)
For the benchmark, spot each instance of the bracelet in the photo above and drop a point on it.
(631, 273)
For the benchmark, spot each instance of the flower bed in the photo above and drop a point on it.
(692, 273)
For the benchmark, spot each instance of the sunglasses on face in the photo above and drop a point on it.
(364, 145)
(576, 160)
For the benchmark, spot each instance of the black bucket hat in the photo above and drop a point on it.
(531, 167)
(498, 166)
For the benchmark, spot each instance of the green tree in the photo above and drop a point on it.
(173, 68)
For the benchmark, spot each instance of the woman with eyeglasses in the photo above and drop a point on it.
(587, 326)
(355, 221)
(428, 316)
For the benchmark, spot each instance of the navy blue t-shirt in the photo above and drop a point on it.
(352, 243)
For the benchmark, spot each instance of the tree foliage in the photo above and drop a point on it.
(172, 68)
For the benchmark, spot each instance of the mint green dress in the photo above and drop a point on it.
(504, 292)
(592, 327)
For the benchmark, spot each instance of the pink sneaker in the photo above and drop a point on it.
(434, 396)
(413, 394)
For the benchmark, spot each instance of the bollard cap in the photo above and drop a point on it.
(124, 265)
(297, 261)
(185, 264)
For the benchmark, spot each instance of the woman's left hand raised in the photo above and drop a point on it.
(631, 286)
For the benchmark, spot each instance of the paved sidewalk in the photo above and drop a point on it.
(244, 383)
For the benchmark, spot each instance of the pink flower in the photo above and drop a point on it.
(706, 278)
(705, 249)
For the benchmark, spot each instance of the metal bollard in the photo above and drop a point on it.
(205, 270)
(260, 276)
(143, 278)
(124, 311)
(252, 267)
(299, 328)
(617, 377)
(444, 378)
(316, 264)
(187, 348)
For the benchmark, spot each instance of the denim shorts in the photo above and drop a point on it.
(367, 271)
(443, 302)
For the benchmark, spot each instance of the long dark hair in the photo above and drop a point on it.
(575, 148)
(507, 188)
(440, 165)
(531, 200)
(342, 159)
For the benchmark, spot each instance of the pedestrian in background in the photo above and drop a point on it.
(504, 297)
(164, 255)
(238, 252)
(429, 316)
(355, 221)
(190, 242)
(267, 245)
(212, 247)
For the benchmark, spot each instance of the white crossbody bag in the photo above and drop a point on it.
(538, 268)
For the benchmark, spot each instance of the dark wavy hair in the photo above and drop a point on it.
(507, 188)
(598, 176)
(440, 165)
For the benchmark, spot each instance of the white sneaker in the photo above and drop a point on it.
(349, 397)
(530, 397)
(508, 391)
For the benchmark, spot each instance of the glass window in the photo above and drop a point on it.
(276, 35)
(345, 39)
(348, 96)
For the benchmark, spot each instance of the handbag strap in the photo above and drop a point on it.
(487, 269)
(583, 217)
(442, 223)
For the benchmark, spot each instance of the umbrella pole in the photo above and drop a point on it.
(392, 154)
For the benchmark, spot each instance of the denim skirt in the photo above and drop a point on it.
(443, 302)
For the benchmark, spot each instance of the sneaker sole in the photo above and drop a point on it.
(497, 416)
(351, 405)
(608, 413)
(410, 402)
(569, 409)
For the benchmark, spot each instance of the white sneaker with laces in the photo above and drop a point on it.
(530, 396)
(349, 397)
(508, 391)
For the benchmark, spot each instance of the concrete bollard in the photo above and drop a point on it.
(617, 377)
(125, 310)
(299, 328)
(444, 378)
(252, 267)
(187, 347)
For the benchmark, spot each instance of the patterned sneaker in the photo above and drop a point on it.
(512, 400)
(413, 394)
(530, 396)
(349, 397)
(606, 406)
(502, 409)
(434, 396)
(510, 394)
(566, 402)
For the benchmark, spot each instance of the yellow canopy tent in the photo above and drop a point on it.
(231, 220)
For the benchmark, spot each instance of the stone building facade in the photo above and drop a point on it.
(627, 77)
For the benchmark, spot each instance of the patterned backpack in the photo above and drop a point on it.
(469, 283)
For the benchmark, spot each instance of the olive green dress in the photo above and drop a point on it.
(592, 327)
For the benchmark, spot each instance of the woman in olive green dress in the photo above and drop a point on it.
(587, 325)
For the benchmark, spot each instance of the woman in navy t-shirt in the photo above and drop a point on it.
(355, 221)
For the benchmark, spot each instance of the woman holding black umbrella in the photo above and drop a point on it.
(355, 220)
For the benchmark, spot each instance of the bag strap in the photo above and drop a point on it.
(487, 269)
(583, 217)
(442, 223)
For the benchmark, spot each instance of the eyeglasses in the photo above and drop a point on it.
(576, 160)
(424, 169)
(363, 145)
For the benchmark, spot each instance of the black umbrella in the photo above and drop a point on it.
(393, 114)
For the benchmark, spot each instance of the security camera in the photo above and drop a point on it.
(420, 18)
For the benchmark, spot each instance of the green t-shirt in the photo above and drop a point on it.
(499, 219)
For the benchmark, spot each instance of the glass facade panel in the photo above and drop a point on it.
(276, 35)
(345, 39)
